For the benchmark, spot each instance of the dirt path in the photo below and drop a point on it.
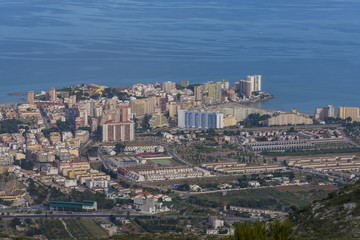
(67, 228)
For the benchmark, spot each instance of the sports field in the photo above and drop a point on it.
(162, 162)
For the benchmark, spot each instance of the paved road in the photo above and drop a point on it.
(103, 160)
(188, 194)
(74, 215)
(349, 140)
(316, 173)
(176, 157)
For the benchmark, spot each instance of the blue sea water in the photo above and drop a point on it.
(308, 51)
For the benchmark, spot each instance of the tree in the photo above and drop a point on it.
(291, 176)
(28, 221)
(250, 231)
(254, 119)
(112, 219)
(283, 231)
(211, 132)
(64, 126)
(9, 126)
(98, 133)
(254, 231)
(109, 92)
(123, 96)
(184, 187)
(14, 222)
(119, 147)
(291, 130)
(146, 122)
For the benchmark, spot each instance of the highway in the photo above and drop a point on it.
(173, 154)
(227, 219)
(188, 194)
(349, 140)
(74, 215)
(296, 169)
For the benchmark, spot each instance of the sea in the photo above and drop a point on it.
(307, 51)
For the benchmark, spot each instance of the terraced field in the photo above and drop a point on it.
(84, 228)
(264, 198)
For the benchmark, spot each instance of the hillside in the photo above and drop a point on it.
(337, 216)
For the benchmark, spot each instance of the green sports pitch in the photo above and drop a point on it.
(162, 162)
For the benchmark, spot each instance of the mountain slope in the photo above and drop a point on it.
(337, 216)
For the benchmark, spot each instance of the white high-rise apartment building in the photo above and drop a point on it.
(167, 86)
(324, 112)
(255, 81)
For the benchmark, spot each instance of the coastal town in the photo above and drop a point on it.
(175, 157)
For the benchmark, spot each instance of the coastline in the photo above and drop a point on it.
(247, 103)
(266, 98)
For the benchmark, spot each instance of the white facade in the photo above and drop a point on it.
(167, 86)
(97, 183)
(167, 174)
(288, 119)
(66, 135)
(144, 148)
(118, 131)
(254, 184)
(149, 205)
(70, 183)
(255, 81)
(324, 112)
(216, 223)
(51, 170)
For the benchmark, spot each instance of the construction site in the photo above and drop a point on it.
(12, 191)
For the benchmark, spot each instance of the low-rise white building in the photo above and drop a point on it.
(70, 183)
(141, 148)
(149, 205)
(48, 170)
(254, 184)
(97, 183)
(216, 222)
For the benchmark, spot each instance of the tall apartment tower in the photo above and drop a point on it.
(346, 112)
(173, 109)
(322, 113)
(167, 86)
(31, 97)
(198, 92)
(215, 90)
(94, 124)
(330, 111)
(200, 119)
(52, 95)
(124, 114)
(255, 81)
(245, 88)
(118, 131)
(72, 101)
(225, 84)
(140, 107)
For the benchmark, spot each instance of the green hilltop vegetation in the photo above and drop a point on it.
(337, 216)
